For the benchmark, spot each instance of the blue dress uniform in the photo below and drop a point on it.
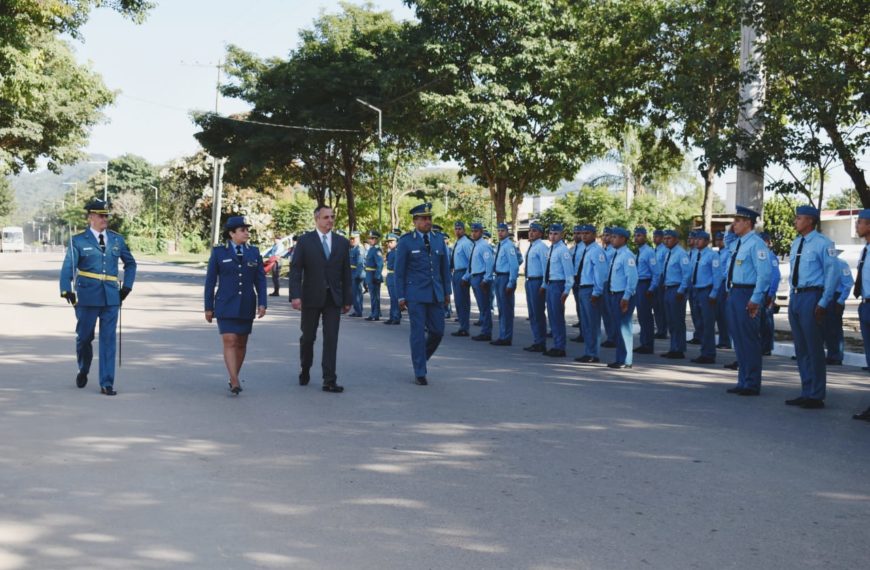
(460, 257)
(690, 294)
(623, 286)
(814, 282)
(676, 273)
(395, 312)
(724, 340)
(862, 293)
(576, 254)
(834, 314)
(661, 311)
(423, 282)
(647, 281)
(767, 322)
(609, 253)
(705, 282)
(506, 274)
(558, 280)
(747, 278)
(479, 273)
(241, 287)
(357, 273)
(592, 271)
(374, 267)
(536, 264)
(94, 271)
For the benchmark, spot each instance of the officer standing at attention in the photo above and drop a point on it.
(506, 274)
(862, 293)
(536, 264)
(721, 320)
(676, 273)
(623, 285)
(747, 279)
(479, 275)
(91, 265)
(423, 287)
(834, 315)
(374, 274)
(448, 312)
(705, 282)
(660, 312)
(767, 323)
(460, 257)
(558, 280)
(592, 273)
(609, 253)
(692, 250)
(395, 313)
(647, 280)
(814, 283)
(357, 273)
(576, 253)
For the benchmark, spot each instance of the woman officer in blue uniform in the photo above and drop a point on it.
(237, 270)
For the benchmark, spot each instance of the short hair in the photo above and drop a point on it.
(320, 207)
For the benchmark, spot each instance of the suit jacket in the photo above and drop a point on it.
(84, 256)
(240, 286)
(312, 275)
(422, 275)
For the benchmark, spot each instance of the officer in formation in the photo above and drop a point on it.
(479, 276)
(647, 290)
(834, 341)
(591, 270)
(767, 309)
(535, 266)
(692, 251)
(705, 283)
(576, 253)
(558, 280)
(374, 271)
(395, 313)
(505, 284)
(448, 311)
(813, 280)
(660, 314)
(622, 286)
(609, 252)
(89, 282)
(722, 322)
(423, 287)
(675, 280)
(862, 293)
(460, 261)
(357, 273)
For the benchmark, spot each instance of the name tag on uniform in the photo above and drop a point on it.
(738, 261)
(252, 264)
(226, 260)
(415, 251)
(87, 248)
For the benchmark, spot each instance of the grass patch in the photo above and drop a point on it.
(184, 259)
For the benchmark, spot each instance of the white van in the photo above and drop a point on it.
(12, 239)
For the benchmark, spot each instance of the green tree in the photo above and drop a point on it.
(7, 198)
(779, 222)
(183, 183)
(846, 199)
(293, 216)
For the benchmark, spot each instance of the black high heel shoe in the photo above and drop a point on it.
(234, 389)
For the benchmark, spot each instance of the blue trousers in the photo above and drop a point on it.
(661, 312)
(766, 329)
(483, 304)
(607, 318)
(87, 321)
(722, 317)
(537, 304)
(645, 315)
(427, 328)
(395, 312)
(864, 320)
(746, 334)
(505, 307)
(622, 328)
(696, 318)
(706, 321)
(809, 344)
(462, 299)
(834, 331)
(591, 322)
(676, 319)
(556, 313)
(374, 295)
(578, 306)
(357, 296)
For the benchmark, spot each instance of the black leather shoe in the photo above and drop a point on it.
(482, 337)
(421, 381)
(813, 404)
(388, 322)
(578, 338)
(274, 294)
(587, 359)
(554, 352)
(749, 392)
(535, 348)
(642, 350)
(724, 346)
(459, 333)
(81, 379)
(734, 390)
(694, 341)
(576, 325)
(370, 318)
(476, 323)
(732, 366)
(674, 355)
(304, 378)
(865, 368)
(766, 353)
(796, 402)
(608, 344)
(500, 342)
(661, 336)
(334, 388)
(618, 365)
(354, 315)
(108, 391)
(704, 360)
(834, 362)
(865, 415)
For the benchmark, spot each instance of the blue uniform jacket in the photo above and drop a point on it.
(374, 264)
(241, 287)
(818, 267)
(845, 282)
(724, 254)
(623, 277)
(422, 276)
(357, 262)
(85, 256)
(561, 267)
(775, 274)
(506, 261)
(391, 261)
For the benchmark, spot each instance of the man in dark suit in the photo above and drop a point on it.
(320, 286)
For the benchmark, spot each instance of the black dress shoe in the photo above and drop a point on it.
(421, 381)
(476, 323)
(304, 378)
(766, 353)
(674, 355)
(865, 415)
(500, 342)
(388, 322)
(576, 325)
(371, 318)
(334, 388)
(608, 344)
(695, 341)
(108, 391)
(274, 294)
(724, 346)
(661, 336)
(796, 402)
(578, 338)
(642, 350)
(535, 348)
(587, 359)
(354, 315)
(482, 337)
(554, 352)
(81, 379)
(618, 365)
(865, 368)
(459, 333)
(813, 404)
(234, 390)
(732, 366)
(834, 362)
(734, 390)
(704, 360)
(749, 392)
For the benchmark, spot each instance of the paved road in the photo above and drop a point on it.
(505, 461)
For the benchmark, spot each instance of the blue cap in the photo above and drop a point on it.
(437, 228)
(720, 235)
(486, 234)
(233, 222)
(671, 233)
(392, 237)
(864, 214)
(424, 209)
(608, 230)
(640, 230)
(588, 228)
(98, 206)
(374, 234)
(807, 211)
(659, 233)
(765, 236)
(354, 233)
(502, 226)
(620, 232)
(578, 228)
(556, 227)
(536, 226)
(458, 225)
(476, 226)
(701, 234)
(745, 212)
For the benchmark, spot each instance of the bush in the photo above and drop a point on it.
(146, 245)
(192, 244)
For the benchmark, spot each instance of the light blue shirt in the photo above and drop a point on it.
(751, 265)
(724, 255)
(661, 254)
(623, 272)
(536, 259)
(594, 271)
(576, 254)
(647, 265)
(709, 271)
(845, 283)
(482, 261)
(676, 269)
(865, 274)
(506, 261)
(775, 274)
(560, 266)
(461, 253)
(817, 264)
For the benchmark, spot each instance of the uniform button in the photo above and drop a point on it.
(240, 292)
(240, 282)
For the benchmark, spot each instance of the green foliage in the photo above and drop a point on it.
(146, 245)
(779, 222)
(293, 216)
(847, 198)
(7, 198)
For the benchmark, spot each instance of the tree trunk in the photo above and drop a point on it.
(709, 178)
(394, 197)
(516, 200)
(499, 197)
(849, 164)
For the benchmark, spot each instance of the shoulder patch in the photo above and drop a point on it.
(846, 271)
(762, 254)
(652, 261)
(715, 263)
(832, 252)
(601, 257)
(631, 262)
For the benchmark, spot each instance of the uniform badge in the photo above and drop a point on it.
(738, 262)
(652, 261)
(846, 271)
(685, 261)
(600, 257)
(631, 262)
(832, 252)
(762, 254)
(715, 263)
(486, 255)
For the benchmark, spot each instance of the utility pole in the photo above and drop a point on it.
(105, 180)
(750, 183)
(380, 144)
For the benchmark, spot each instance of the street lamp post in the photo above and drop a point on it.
(105, 180)
(380, 144)
(75, 186)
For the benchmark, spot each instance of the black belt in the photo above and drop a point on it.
(617, 292)
(672, 286)
(586, 286)
(478, 274)
(556, 281)
(463, 269)
(645, 280)
(866, 300)
(807, 289)
(531, 278)
(742, 286)
(704, 287)
(502, 273)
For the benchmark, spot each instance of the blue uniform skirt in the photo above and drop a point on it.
(235, 326)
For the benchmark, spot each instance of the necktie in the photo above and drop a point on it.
(497, 250)
(797, 264)
(695, 272)
(547, 270)
(102, 243)
(239, 252)
(610, 273)
(453, 255)
(733, 262)
(665, 268)
(580, 269)
(325, 246)
(426, 242)
(859, 281)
